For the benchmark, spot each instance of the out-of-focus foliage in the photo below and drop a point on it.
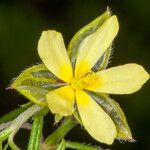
(21, 23)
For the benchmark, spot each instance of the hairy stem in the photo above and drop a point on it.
(26, 125)
(19, 121)
(14, 113)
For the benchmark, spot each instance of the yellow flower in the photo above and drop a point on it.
(123, 79)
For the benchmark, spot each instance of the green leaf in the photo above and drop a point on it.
(35, 82)
(85, 32)
(61, 131)
(115, 112)
(36, 134)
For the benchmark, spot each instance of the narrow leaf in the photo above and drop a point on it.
(60, 132)
(36, 134)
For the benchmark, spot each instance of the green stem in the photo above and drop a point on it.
(14, 113)
(36, 133)
(5, 134)
(62, 145)
(26, 125)
(80, 146)
(23, 117)
(19, 121)
(5, 125)
(60, 132)
(1, 146)
(5, 147)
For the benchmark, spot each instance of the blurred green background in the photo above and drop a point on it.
(21, 23)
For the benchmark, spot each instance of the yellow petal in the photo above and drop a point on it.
(123, 79)
(96, 121)
(53, 53)
(61, 101)
(92, 48)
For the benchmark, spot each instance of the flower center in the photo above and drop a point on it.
(90, 81)
(77, 83)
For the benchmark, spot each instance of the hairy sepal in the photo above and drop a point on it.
(35, 82)
(116, 113)
(83, 33)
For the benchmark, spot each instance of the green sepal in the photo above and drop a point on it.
(35, 82)
(85, 32)
(103, 61)
(113, 109)
(77, 116)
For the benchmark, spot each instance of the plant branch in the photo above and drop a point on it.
(26, 125)
(19, 121)
(14, 113)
